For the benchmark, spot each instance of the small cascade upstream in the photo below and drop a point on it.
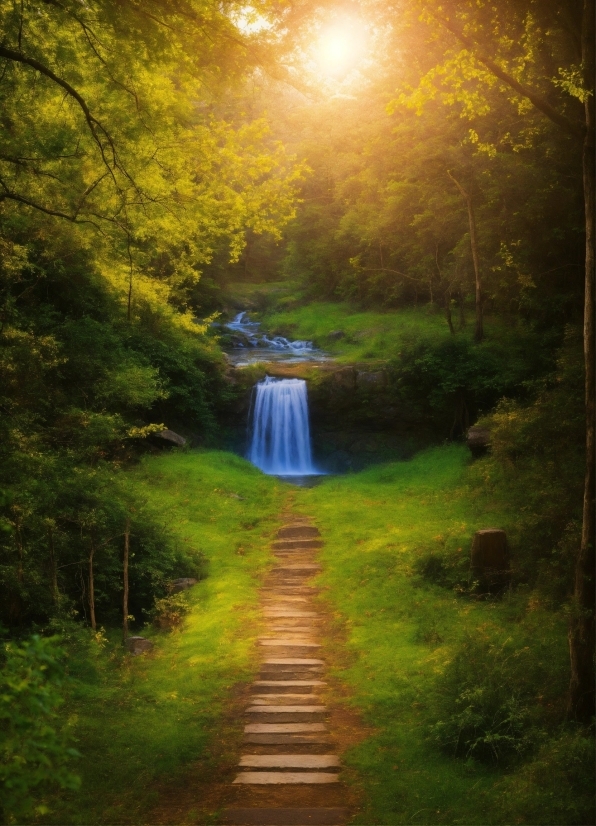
(279, 428)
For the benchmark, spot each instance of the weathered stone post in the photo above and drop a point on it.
(489, 564)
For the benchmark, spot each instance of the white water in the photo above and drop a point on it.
(252, 345)
(280, 432)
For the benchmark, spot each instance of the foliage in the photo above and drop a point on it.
(487, 694)
(143, 723)
(35, 745)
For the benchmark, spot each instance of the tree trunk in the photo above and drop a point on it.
(125, 579)
(448, 312)
(92, 587)
(582, 635)
(53, 568)
(462, 310)
(479, 327)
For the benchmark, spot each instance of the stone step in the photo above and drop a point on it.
(286, 740)
(281, 611)
(265, 778)
(284, 640)
(278, 627)
(289, 761)
(281, 699)
(297, 544)
(285, 598)
(292, 674)
(298, 532)
(294, 622)
(289, 686)
(293, 661)
(286, 714)
(284, 728)
(299, 646)
(285, 817)
(289, 648)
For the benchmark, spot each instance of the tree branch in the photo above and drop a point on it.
(575, 128)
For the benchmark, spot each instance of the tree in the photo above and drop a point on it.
(563, 35)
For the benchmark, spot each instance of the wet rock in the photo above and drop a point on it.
(137, 645)
(365, 379)
(170, 437)
(182, 584)
(344, 378)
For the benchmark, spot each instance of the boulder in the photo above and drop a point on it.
(336, 335)
(489, 564)
(345, 378)
(137, 645)
(366, 379)
(171, 438)
(478, 440)
(182, 584)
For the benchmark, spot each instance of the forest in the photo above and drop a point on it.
(406, 186)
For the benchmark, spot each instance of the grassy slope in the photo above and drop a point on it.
(368, 334)
(401, 632)
(143, 721)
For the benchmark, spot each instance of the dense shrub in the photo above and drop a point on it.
(492, 698)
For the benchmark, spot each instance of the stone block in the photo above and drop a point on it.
(137, 645)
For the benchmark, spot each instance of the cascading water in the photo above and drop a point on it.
(279, 428)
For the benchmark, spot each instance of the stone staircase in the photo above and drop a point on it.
(288, 772)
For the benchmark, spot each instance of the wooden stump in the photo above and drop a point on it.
(478, 440)
(489, 564)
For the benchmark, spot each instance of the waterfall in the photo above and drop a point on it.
(279, 429)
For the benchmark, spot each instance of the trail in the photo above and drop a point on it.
(288, 772)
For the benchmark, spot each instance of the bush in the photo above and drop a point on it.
(489, 701)
(34, 752)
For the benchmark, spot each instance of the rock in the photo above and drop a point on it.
(478, 440)
(345, 378)
(137, 645)
(489, 564)
(365, 379)
(182, 584)
(336, 335)
(171, 438)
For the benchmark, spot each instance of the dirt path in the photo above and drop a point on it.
(288, 772)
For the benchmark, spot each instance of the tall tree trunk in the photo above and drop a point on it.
(582, 637)
(92, 586)
(53, 568)
(462, 309)
(125, 579)
(447, 299)
(479, 326)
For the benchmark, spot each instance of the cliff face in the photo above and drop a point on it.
(357, 416)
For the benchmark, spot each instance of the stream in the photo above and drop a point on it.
(250, 345)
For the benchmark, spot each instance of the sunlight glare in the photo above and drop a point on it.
(339, 48)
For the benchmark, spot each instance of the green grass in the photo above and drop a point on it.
(143, 721)
(368, 334)
(402, 632)
(143, 724)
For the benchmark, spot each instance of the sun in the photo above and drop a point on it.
(339, 48)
